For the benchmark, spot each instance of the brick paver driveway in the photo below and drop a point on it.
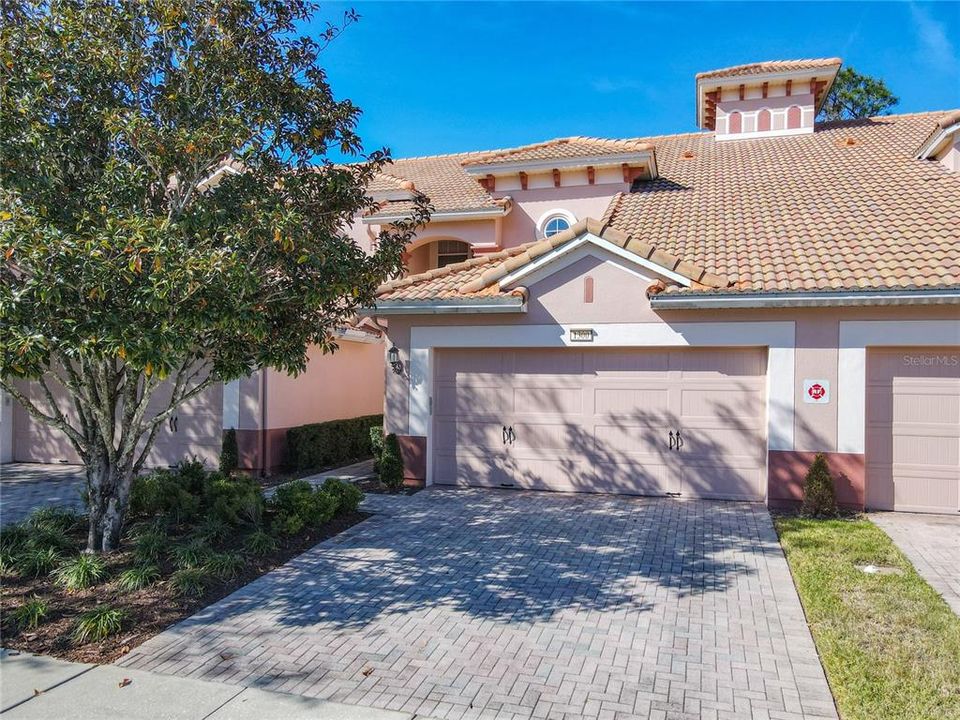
(487, 603)
(24, 487)
(932, 543)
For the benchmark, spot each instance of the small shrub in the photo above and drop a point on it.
(191, 554)
(138, 577)
(8, 563)
(298, 505)
(189, 582)
(347, 495)
(229, 452)
(818, 494)
(391, 463)
(13, 538)
(46, 538)
(29, 615)
(80, 572)
(55, 519)
(259, 544)
(150, 547)
(225, 566)
(213, 529)
(37, 561)
(165, 492)
(376, 446)
(99, 623)
(327, 444)
(235, 500)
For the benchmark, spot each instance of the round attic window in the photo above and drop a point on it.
(555, 222)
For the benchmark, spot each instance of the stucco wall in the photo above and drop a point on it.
(584, 201)
(345, 384)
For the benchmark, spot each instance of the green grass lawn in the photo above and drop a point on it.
(889, 643)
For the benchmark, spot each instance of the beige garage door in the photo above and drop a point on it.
(600, 420)
(913, 429)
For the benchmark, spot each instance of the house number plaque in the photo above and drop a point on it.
(581, 334)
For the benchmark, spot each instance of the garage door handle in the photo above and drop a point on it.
(504, 434)
(679, 440)
(513, 435)
(671, 439)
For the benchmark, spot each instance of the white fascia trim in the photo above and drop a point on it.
(606, 245)
(357, 336)
(765, 134)
(855, 337)
(512, 304)
(588, 250)
(852, 298)
(778, 337)
(485, 214)
(931, 146)
(498, 169)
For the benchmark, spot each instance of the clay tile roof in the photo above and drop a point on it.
(479, 277)
(441, 178)
(843, 208)
(771, 66)
(846, 207)
(560, 149)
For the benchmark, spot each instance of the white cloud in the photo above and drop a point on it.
(935, 47)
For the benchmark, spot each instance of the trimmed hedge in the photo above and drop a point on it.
(328, 444)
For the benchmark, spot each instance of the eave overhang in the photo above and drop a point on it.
(452, 306)
(849, 298)
(444, 215)
(647, 158)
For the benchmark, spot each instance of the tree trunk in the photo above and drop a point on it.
(109, 490)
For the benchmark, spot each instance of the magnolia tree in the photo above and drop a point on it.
(168, 215)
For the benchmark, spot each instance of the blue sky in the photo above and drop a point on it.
(455, 76)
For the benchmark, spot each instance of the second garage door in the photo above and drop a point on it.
(913, 429)
(603, 420)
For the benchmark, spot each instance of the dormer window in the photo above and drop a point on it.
(766, 99)
(554, 222)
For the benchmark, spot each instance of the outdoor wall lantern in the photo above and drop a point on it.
(393, 357)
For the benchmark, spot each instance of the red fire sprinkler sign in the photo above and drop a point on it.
(816, 391)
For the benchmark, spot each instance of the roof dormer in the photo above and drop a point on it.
(564, 162)
(766, 99)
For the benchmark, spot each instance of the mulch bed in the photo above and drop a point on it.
(151, 610)
(373, 486)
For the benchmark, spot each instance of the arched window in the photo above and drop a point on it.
(763, 120)
(553, 222)
(793, 117)
(734, 123)
(451, 251)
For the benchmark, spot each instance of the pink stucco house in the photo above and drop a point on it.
(693, 314)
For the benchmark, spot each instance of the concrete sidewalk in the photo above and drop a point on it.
(33, 686)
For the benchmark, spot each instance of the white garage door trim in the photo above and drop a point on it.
(855, 337)
(778, 337)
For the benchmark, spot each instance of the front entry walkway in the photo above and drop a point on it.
(932, 544)
(503, 604)
(24, 487)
